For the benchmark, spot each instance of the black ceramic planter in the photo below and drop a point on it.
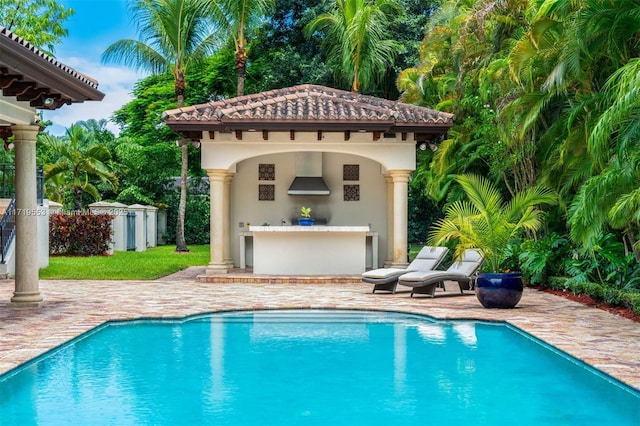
(499, 290)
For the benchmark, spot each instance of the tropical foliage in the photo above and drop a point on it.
(486, 222)
(236, 18)
(73, 160)
(545, 92)
(358, 38)
(40, 22)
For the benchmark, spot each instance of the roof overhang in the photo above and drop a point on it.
(30, 76)
(309, 108)
(224, 125)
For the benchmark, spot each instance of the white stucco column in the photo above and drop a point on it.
(27, 291)
(227, 221)
(389, 259)
(400, 216)
(217, 181)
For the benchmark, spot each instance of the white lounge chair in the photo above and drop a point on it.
(461, 271)
(387, 278)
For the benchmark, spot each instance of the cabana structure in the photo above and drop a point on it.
(347, 156)
(31, 80)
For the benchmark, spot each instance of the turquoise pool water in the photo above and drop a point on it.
(311, 368)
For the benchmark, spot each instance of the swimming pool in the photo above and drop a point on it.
(311, 367)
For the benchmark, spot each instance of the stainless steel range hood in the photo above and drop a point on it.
(308, 185)
(308, 180)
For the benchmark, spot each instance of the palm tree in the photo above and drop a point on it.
(79, 158)
(175, 35)
(581, 58)
(358, 38)
(236, 18)
(486, 222)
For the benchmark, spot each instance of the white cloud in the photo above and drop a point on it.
(114, 81)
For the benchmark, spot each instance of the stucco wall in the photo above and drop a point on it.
(247, 209)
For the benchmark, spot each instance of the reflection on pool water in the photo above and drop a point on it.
(311, 367)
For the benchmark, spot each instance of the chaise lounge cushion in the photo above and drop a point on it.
(383, 273)
(387, 278)
(461, 271)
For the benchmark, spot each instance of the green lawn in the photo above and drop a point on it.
(154, 263)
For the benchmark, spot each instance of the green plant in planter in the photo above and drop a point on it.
(486, 222)
(305, 212)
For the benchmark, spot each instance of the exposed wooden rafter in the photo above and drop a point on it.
(7, 80)
(347, 135)
(193, 135)
(18, 88)
(33, 93)
(239, 135)
(265, 135)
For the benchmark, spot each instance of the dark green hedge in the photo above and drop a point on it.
(600, 293)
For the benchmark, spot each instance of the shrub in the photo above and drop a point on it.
(196, 222)
(542, 258)
(596, 291)
(79, 234)
(631, 301)
(611, 296)
(608, 294)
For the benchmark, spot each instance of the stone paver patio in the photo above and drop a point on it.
(603, 340)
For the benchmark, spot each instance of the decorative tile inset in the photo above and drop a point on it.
(352, 193)
(266, 192)
(350, 172)
(266, 171)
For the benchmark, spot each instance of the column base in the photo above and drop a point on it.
(27, 299)
(217, 268)
(402, 265)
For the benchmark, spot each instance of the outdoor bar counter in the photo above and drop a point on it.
(309, 250)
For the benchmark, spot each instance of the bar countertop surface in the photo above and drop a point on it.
(313, 228)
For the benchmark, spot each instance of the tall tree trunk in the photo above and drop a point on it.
(77, 198)
(241, 67)
(181, 244)
(355, 85)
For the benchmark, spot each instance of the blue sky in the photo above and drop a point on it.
(94, 26)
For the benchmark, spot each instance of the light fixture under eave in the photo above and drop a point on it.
(8, 146)
(422, 146)
(49, 101)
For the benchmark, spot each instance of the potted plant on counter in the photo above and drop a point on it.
(305, 218)
(486, 222)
